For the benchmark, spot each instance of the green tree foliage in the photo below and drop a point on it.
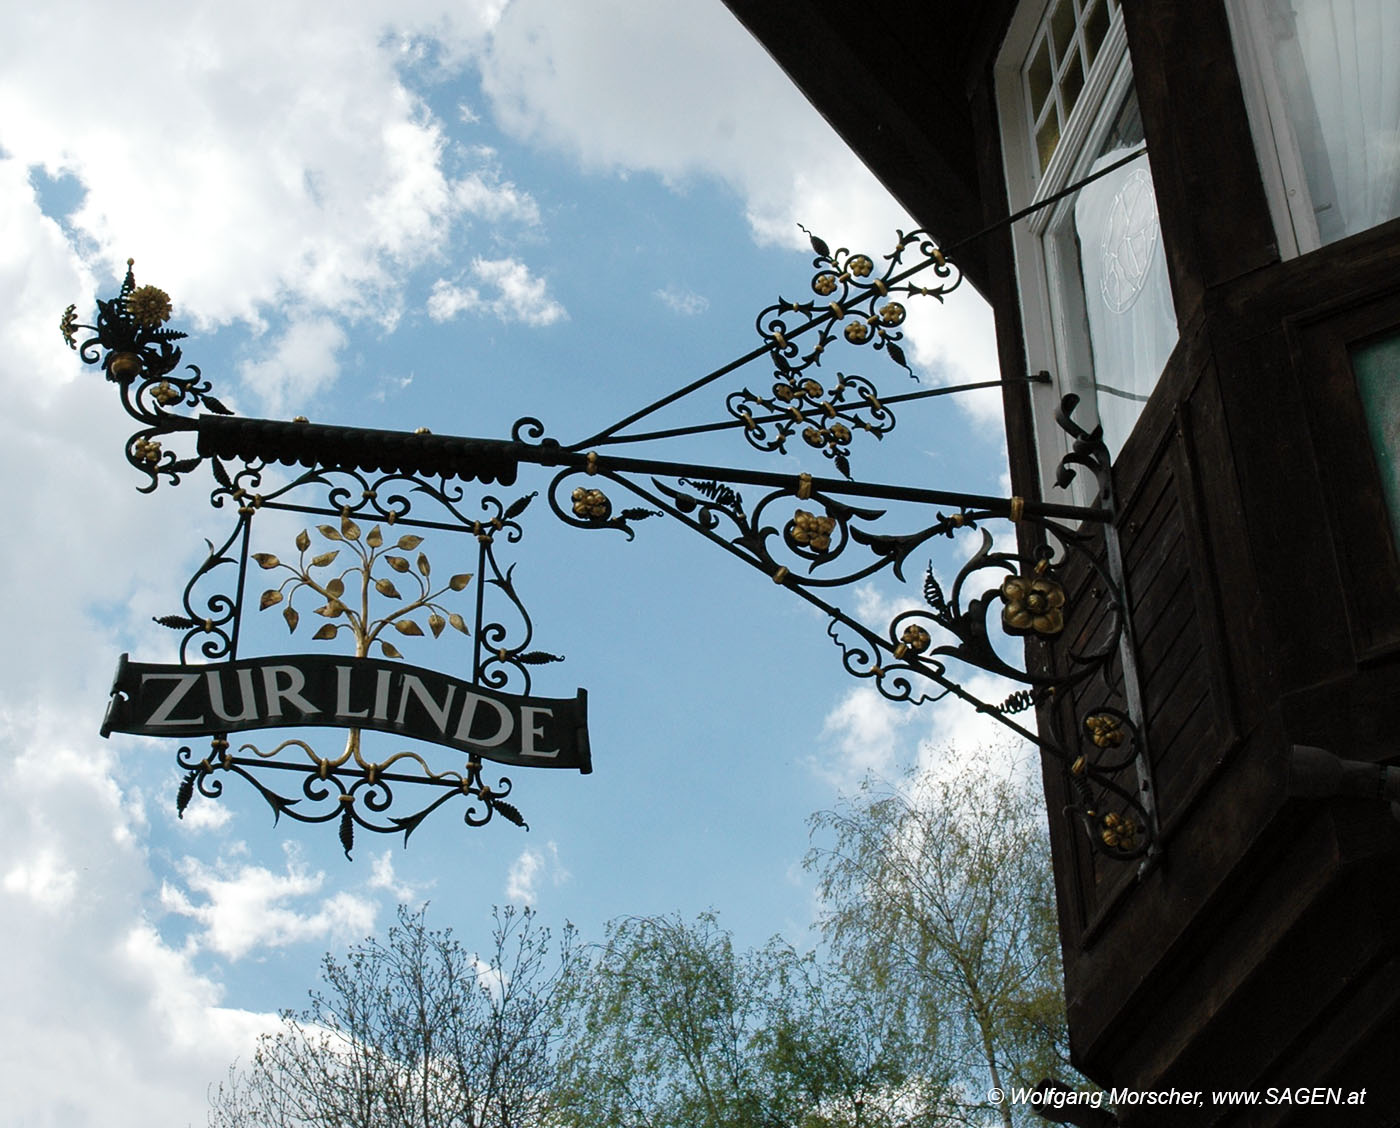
(939, 893)
(675, 1029)
(411, 1031)
(940, 980)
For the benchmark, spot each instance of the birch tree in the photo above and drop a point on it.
(939, 892)
(675, 1028)
(413, 1030)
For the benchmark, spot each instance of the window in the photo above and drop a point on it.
(1094, 289)
(1377, 368)
(1323, 94)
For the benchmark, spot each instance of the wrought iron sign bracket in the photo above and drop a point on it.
(383, 493)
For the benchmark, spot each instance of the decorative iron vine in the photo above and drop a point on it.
(813, 536)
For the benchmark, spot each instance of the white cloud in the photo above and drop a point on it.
(387, 386)
(448, 300)
(42, 877)
(864, 735)
(99, 986)
(685, 302)
(956, 733)
(249, 907)
(877, 608)
(531, 869)
(274, 155)
(205, 814)
(512, 294)
(300, 365)
(482, 194)
(686, 92)
(383, 877)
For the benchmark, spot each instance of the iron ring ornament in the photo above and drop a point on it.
(372, 499)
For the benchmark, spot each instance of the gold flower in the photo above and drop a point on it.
(149, 306)
(840, 433)
(590, 504)
(813, 531)
(860, 266)
(892, 314)
(147, 450)
(824, 284)
(1033, 604)
(69, 323)
(857, 332)
(1118, 832)
(1104, 730)
(916, 638)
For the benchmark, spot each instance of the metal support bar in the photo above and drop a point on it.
(497, 460)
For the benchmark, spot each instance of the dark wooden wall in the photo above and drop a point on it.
(1263, 948)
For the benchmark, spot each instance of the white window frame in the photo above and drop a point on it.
(1276, 148)
(1281, 157)
(1054, 323)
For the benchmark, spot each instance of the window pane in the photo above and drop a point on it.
(1126, 131)
(1039, 78)
(1377, 369)
(1071, 83)
(1336, 65)
(1062, 28)
(1047, 137)
(1127, 298)
(1095, 28)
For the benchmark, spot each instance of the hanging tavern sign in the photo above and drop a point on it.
(373, 504)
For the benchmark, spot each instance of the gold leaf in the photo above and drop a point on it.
(458, 582)
(328, 631)
(408, 542)
(435, 624)
(330, 532)
(423, 566)
(457, 621)
(386, 587)
(335, 588)
(397, 563)
(390, 651)
(324, 559)
(375, 538)
(266, 560)
(331, 609)
(407, 627)
(290, 614)
(349, 529)
(303, 541)
(269, 598)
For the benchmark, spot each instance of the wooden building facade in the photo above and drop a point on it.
(1231, 302)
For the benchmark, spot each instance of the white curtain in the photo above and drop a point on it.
(1127, 299)
(1338, 63)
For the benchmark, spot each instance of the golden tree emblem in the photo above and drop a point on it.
(347, 593)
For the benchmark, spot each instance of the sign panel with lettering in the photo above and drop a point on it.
(298, 690)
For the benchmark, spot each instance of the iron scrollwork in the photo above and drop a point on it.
(813, 536)
(141, 357)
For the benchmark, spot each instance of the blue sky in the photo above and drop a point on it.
(414, 216)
